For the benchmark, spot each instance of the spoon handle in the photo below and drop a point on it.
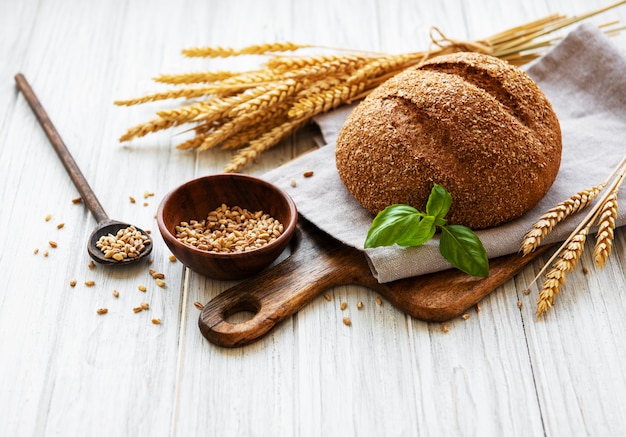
(86, 193)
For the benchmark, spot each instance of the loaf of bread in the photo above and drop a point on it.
(472, 123)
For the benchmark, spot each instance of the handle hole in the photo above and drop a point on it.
(242, 311)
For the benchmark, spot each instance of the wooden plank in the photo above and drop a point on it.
(65, 370)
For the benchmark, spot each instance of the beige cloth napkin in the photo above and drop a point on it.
(584, 78)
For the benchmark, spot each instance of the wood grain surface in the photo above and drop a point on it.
(317, 263)
(67, 371)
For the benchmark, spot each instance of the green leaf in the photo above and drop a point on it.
(439, 202)
(462, 247)
(420, 234)
(396, 224)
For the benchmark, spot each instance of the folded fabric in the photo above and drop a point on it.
(583, 77)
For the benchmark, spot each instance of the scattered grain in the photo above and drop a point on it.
(53, 244)
(465, 316)
(585, 271)
(36, 251)
(477, 307)
(147, 194)
(378, 301)
(73, 283)
(327, 297)
(445, 328)
(91, 265)
(160, 283)
(343, 306)
(172, 258)
(60, 225)
(347, 321)
(48, 217)
(144, 305)
(359, 305)
(132, 199)
(519, 304)
(137, 309)
(142, 288)
(45, 253)
(76, 200)
(145, 204)
(308, 173)
(158, 275)
(102, 311)
(90, 283)
(116, 293)
(156, 321)
(198, 305)
(293, 183)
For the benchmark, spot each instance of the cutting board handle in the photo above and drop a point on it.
(317, 263)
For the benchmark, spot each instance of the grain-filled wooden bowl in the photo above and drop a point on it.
(194, 200)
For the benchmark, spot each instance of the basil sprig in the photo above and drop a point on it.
(406, 226)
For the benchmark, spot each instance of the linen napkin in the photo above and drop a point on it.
(583, 77)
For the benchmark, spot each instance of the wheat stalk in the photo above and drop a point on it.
(603, 214)
(225, 52)
(319, 83)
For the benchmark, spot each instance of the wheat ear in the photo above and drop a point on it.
(571, 249)
(200, 77)
(544, 225)
(605, 234)
(555, 278)
(263, 143)
(225, 52)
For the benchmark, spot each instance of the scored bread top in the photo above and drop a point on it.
(472, 123)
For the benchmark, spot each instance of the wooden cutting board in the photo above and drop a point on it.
(319, 262)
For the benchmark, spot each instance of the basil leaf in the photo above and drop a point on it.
(462, 247)
(439, 202)
(420, 234)
(392, 225)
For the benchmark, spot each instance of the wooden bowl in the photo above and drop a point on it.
(196, 198)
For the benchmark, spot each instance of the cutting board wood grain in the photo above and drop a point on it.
(317, 263)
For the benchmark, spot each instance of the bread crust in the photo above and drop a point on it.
(472, 123)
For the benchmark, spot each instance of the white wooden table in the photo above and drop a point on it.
(66, 371)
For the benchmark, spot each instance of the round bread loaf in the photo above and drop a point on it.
(472, 123)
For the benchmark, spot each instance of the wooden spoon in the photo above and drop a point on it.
(105, 225)
(319, 262)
